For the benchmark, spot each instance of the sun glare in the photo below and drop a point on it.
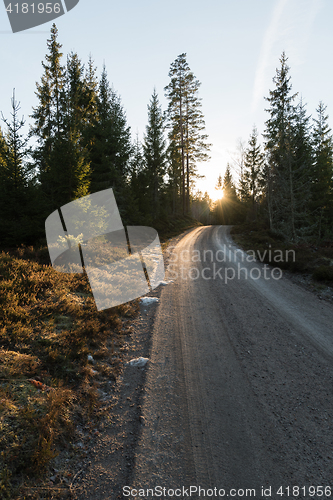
(215, 194)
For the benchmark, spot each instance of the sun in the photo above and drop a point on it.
(215, 194)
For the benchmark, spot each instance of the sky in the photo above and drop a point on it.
(233, 49)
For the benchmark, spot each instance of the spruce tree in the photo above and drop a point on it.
(302, 168)
(16, 151)
(67, 105)
(251, 183)
(279, 148)
(139, 182)
(322, 175)
(16, 189)
(48, 115)
(227, 208)
(228, 187)
(201, 208)
(217, 209)
(219, 184)
(91, 112)
(91, 93)
(112, 148)
(154, 149)
(120, 139)
(74, 170)
(102, 175)
(48, 127)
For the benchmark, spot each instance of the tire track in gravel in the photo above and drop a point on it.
(239, 389)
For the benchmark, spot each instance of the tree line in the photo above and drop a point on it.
(82, 144)
(286, 183)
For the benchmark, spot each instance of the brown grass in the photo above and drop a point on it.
(49, 325)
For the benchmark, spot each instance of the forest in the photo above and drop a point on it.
(82, 144)
(286, 184)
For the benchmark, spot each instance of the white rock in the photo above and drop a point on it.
(139, 362)
(91, 359)
(146, 301)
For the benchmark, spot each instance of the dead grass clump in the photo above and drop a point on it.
(90, 398)
(15, 364)
(54, 427)
(106, 370)
(32, 424)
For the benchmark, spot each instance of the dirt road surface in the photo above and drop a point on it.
(238, 389)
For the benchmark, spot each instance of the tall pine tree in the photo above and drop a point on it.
(176, 93)
(186, 126)
(196, 144)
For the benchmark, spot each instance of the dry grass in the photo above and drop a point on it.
(49, 324)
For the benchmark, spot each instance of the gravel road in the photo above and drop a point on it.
(239, 386)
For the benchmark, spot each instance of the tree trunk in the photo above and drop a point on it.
(182, 150)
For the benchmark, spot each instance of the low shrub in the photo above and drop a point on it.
(323, 273)
(307, 258)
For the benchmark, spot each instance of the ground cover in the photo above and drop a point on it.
(308, 264)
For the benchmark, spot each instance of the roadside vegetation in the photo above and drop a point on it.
(272, 248)
(48, 387)
(173, 226)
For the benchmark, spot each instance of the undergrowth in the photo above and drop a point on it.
(171, 226)
(49, 325)
(272, 249)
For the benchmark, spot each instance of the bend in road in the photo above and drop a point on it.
(239, 390)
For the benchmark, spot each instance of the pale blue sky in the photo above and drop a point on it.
(233, 48)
